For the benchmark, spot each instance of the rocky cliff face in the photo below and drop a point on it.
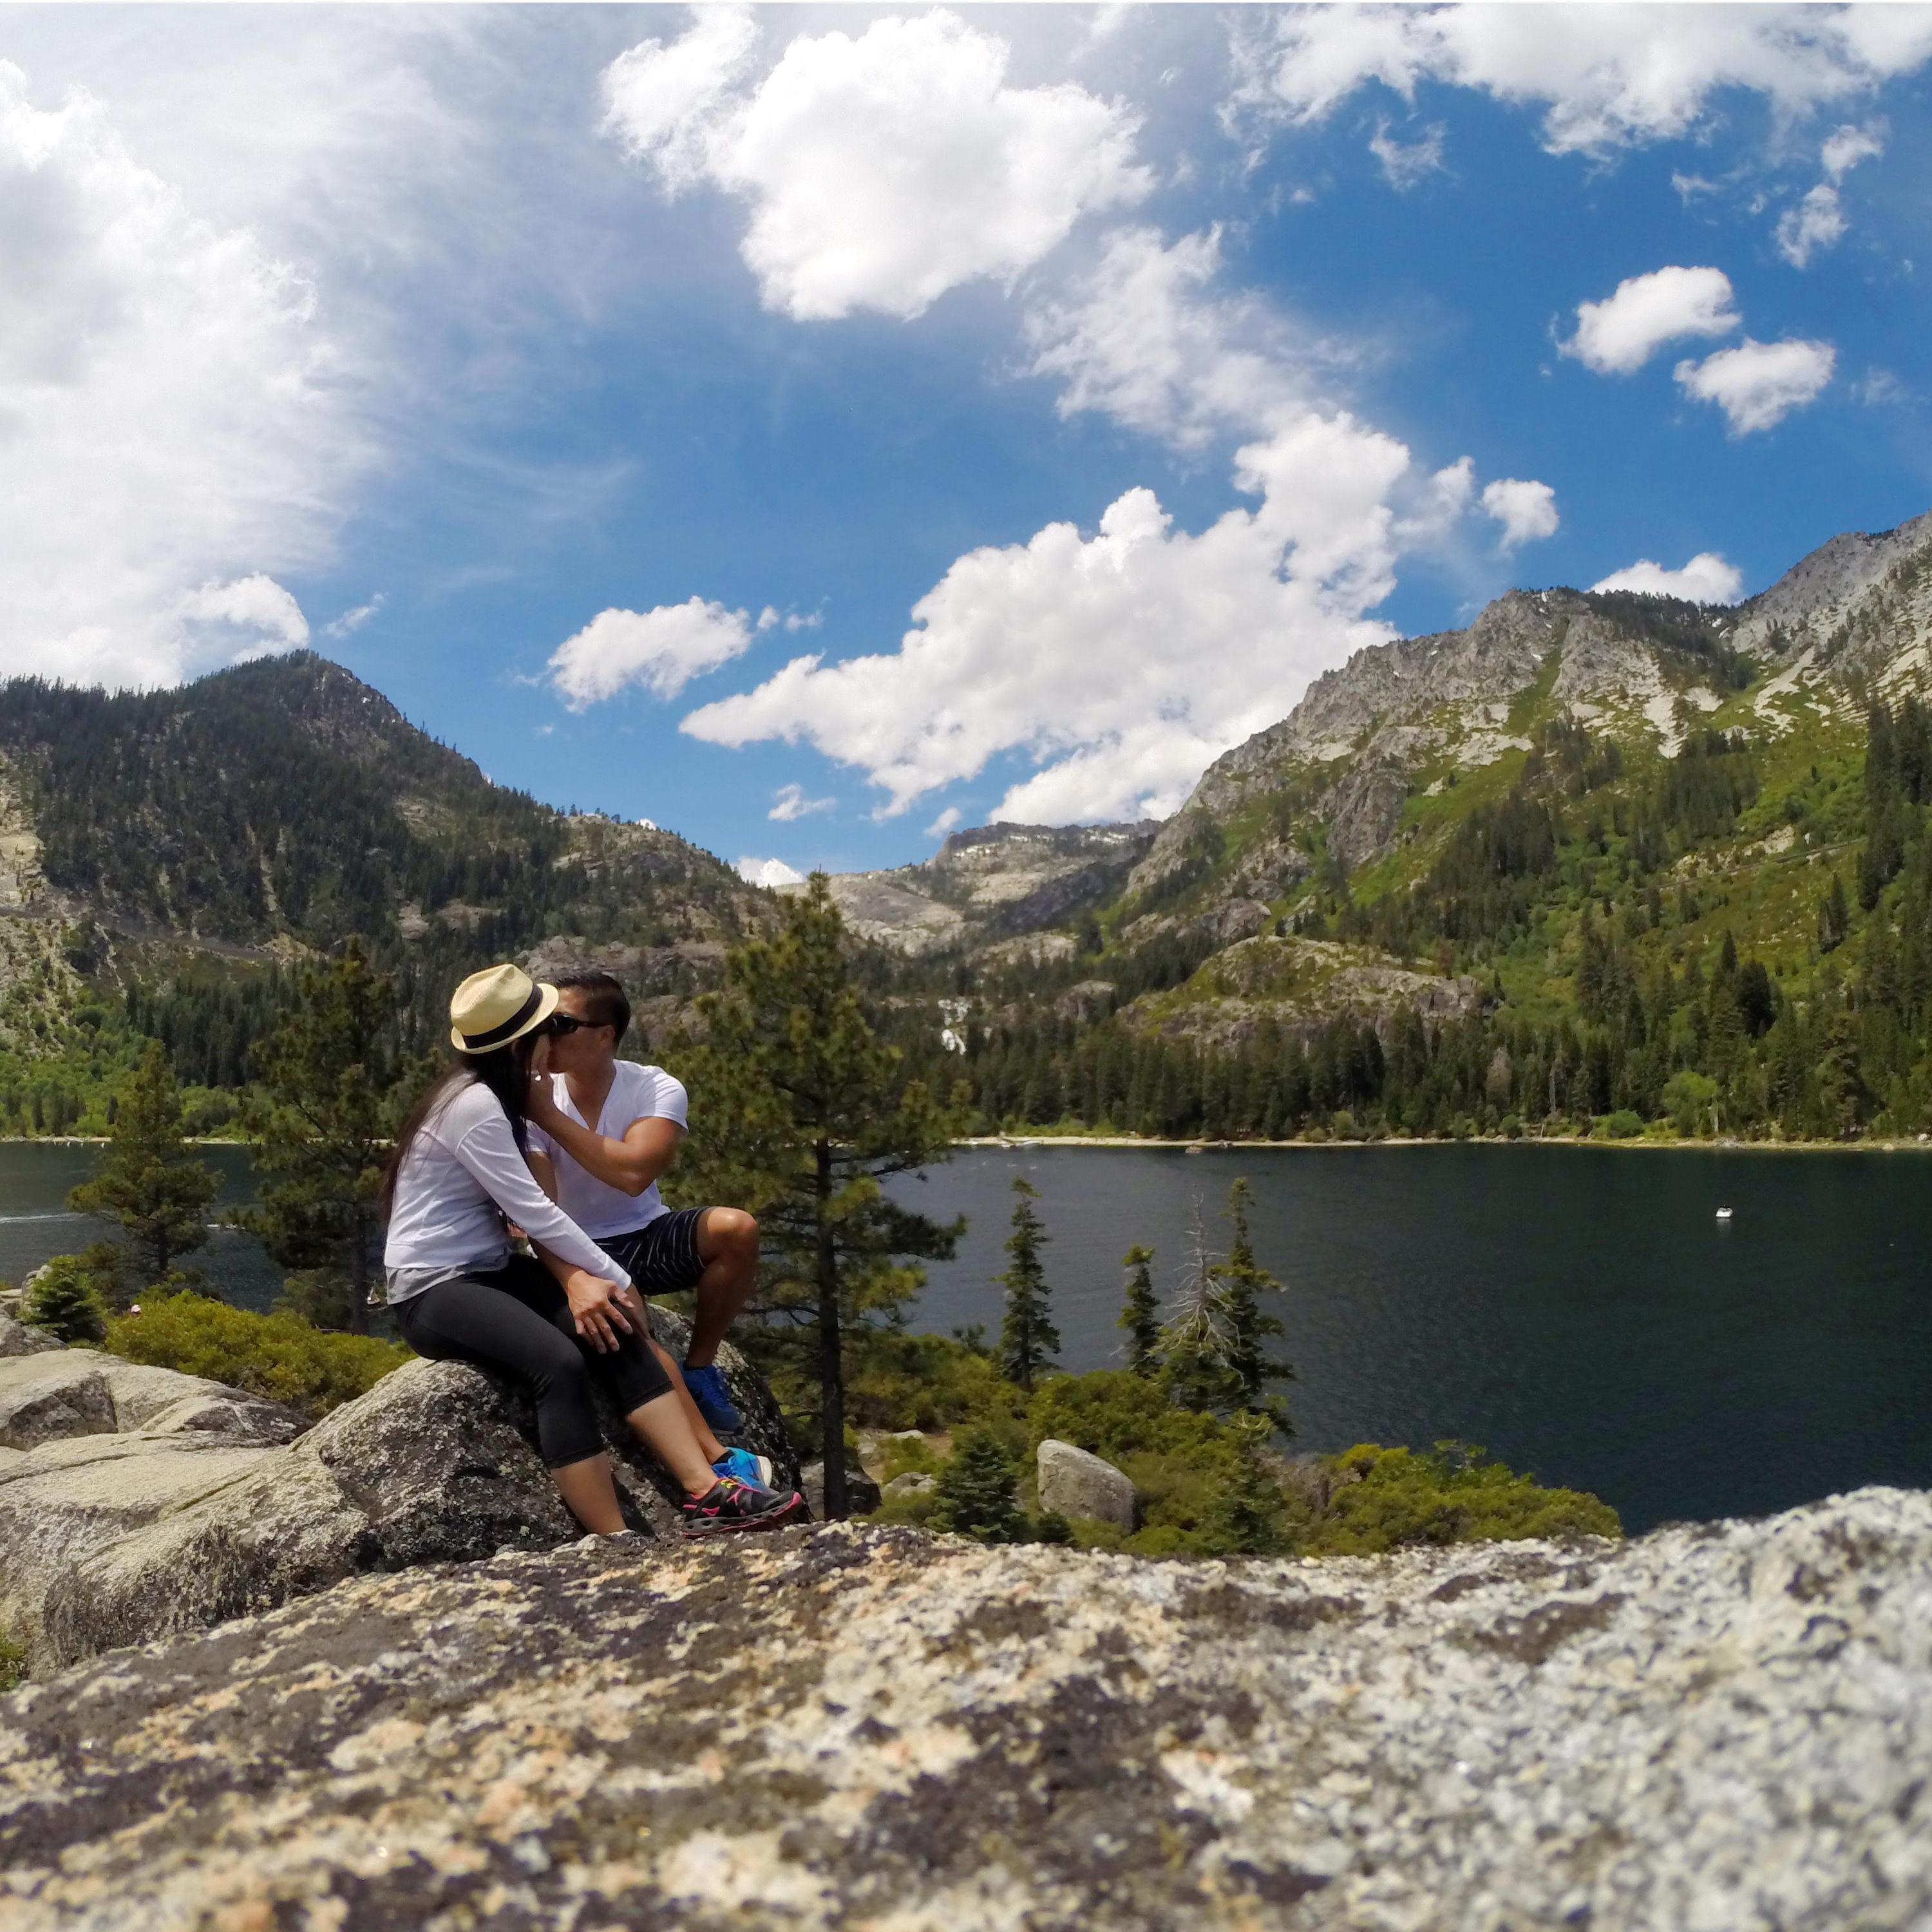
(1859, 607)
(993, 883)
(1399, 716)
(1299, 986)
(1723, 1726)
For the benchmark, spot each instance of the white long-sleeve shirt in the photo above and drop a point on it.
(461, 1169)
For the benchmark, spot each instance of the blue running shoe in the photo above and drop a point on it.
(713, 1399)
(746, 1467)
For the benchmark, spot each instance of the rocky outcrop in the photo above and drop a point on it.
(51, 1394)
(993, 882)
(1075, 1482)
(1301, 985)
(1828, 588)
(862, 1494)
(1402, 716)
(150, 1503)
(1718, 1726)
(19, 1338)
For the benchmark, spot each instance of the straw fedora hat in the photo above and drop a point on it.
(498, 1005)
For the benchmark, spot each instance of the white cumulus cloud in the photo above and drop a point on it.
(1621, 332)
(1706, 579)
(176, 431)
(1607, 77)
(791, 801)
(1142, 338)
(1758, 384)
(1118, 665)
(1526, 510)
(248, 615)
(662, 650)
(768, 872)
(944, 822)
(880, 171)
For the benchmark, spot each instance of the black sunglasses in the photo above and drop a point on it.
(563, 1023)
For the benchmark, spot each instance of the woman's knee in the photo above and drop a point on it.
(562, 1373)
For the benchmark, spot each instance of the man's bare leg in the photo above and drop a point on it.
(728, 1245)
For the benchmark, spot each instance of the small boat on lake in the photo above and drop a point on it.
(1723, 1213)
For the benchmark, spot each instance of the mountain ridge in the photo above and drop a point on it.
(1539, 867)
(264, 814)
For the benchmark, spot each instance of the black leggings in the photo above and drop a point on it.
(518, 1319)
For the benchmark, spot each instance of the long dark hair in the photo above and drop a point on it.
(505, 1071)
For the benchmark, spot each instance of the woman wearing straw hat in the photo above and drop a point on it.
(457, 1174)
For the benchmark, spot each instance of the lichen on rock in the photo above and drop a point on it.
(1722, 1726)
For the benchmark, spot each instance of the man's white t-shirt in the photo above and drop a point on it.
(637, 1093)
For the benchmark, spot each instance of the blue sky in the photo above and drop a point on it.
(598, 382)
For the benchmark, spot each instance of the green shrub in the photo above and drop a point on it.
(976, 1491)
(66, 1302)
(1383, 1499)
(1623, 1125)
(910, 1456)
(1203, 1488)
(894, 1379)
(279, 1357)
(12, 1664)
(904, 1381)
(918, 1509)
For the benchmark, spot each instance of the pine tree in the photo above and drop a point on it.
(799, 1111)
(1140, 1313)
(1198, 1341)
(64, 1301)
(1248, 1281)
(149, 1181)
(976, 1491)
(335, 1088)
(1835, 916)
(1028, 1339)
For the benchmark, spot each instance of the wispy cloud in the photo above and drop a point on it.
(789, 802)
(350, 622)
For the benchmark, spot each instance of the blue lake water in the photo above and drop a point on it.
(1578, 1311)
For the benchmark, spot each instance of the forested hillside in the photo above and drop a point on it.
(1600, 863)
(1596, 863)
(169, 855)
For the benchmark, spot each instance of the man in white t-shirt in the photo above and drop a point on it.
(601, 1131)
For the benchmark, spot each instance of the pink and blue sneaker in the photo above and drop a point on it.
(730, 1504)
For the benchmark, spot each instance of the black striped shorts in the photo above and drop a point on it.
(661, 1256)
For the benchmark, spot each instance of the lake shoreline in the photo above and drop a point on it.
(1636, 1143)
(1011, 1142)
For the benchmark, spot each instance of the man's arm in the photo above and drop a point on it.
(631, 1165)
(544, 1170)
